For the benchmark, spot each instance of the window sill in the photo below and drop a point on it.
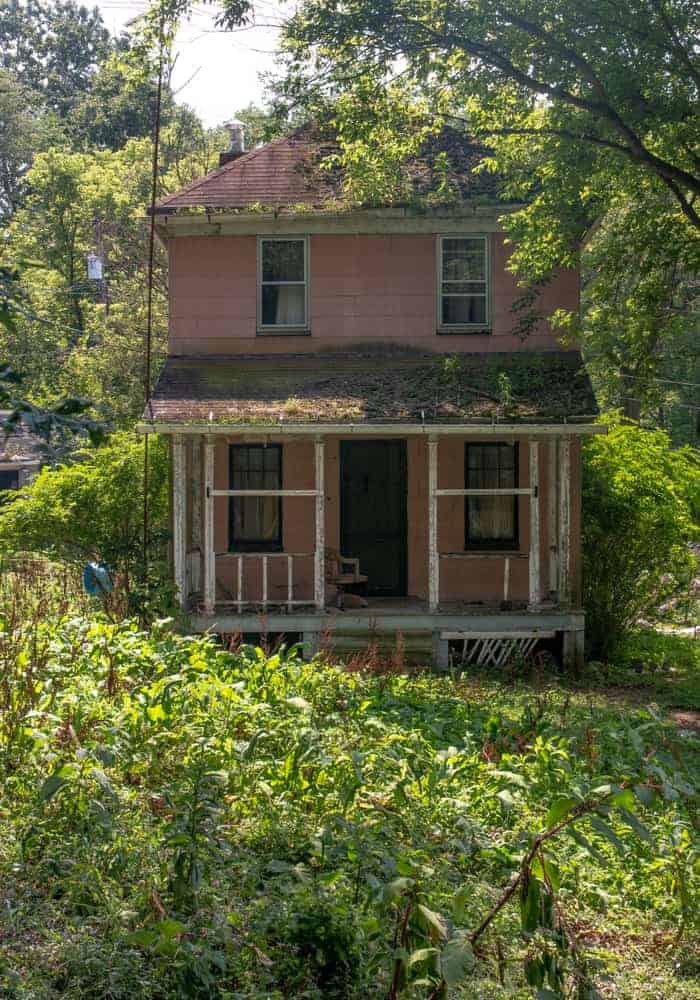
(497, 553)
(293, 331)
(461, 331)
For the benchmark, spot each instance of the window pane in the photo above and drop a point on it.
(283, 305)
(491, 520)
(256, 521)
(464, 260)
(461, 310)
(9, 479)
(283, 260)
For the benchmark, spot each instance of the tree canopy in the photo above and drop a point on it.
(592, 115)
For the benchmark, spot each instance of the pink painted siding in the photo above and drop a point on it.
(363, 289)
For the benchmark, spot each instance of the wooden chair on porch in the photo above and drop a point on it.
(342, 572)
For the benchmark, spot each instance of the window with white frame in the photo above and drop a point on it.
(283, 265)
(491, 522)
(464, 282)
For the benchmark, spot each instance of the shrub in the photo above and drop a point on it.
(641, 500)
(92, 509)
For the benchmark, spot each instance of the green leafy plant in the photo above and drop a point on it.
(641, 509)
(92, 509)
(206, 823)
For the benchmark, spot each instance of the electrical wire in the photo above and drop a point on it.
(149, 299)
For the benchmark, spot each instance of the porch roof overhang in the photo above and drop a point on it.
(374, 393)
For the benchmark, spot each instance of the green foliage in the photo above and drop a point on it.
(654, 664)
(190, 822)
(592, 125)
(53, 48)
(25, 129)
(641, 509)
(261, 125)
(91, 509)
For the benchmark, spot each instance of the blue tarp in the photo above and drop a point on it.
(96, 579)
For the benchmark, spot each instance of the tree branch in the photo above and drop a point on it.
(580, 810)
(599, 109)
(677, 47)
(686, 206)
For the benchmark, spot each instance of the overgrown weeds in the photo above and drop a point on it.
(182, 820)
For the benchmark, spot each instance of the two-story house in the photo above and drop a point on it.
(361, 442)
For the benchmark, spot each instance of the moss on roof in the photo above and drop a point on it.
(294, 171)
(375, 388)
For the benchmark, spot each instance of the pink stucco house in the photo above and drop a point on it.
(348, 382)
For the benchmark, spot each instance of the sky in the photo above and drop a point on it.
(216, 72)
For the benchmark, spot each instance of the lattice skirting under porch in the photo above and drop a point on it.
(489, 649)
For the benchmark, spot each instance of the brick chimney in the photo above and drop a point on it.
(237, 147)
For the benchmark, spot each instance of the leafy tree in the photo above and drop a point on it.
(25, 129)
(261, 124)
(641, 506)
(80, 201)
(53, 48)
(91, 509)
(592, 116)
(115, 108)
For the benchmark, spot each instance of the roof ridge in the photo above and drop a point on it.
(225, 168)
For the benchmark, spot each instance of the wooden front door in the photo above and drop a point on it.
(373, 512)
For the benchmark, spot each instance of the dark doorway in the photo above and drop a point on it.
(373, 512)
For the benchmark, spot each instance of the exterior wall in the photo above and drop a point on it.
(473, 579)
(363, 289)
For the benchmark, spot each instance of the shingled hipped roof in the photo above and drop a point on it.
(290, 171)
(402, 388)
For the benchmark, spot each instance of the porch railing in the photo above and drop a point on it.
(478, 556)
(241, 600)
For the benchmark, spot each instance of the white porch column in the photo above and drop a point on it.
(179, 520)
(433, 555)
(534, 558)
(552, 517)
(196, 492)
(209, 554)
(564, 521)
(320, 507)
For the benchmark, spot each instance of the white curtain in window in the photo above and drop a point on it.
(289, 310)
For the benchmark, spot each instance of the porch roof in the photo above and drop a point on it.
(372, 388)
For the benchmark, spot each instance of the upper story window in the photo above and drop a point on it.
(491, 522)
(463, 272)
(283, 284)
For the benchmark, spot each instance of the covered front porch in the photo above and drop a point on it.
(457, 514)
(525, 592)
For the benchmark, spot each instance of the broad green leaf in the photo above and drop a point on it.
(420, 955)
(604, 830)
(624, 799)
(435, 923)
(53, 783)
(645, 794)
(530, 905)
(558, 810)
(459, 902)
(170, 928)
(456, 960)
(142, 938)
(635, 824)
(513, 777)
